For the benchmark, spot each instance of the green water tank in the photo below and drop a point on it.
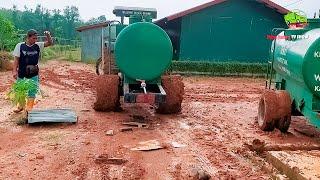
(143, 51)
(299, 59)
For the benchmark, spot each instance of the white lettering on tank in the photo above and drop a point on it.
(282, 61)
(317, 77)
(317, 88)
(284, 69)
(317, 54)
(283, 51)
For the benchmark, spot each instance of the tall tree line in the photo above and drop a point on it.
(61, 23)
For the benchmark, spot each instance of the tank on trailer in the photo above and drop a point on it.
(142, 53)
(295, 67)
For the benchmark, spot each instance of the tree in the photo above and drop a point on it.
(57, 23)
(72, 18)
(61, 23)
(8, 36)
(97, 20)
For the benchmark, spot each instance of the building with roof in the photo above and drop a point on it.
(224, 30)
(92, 41)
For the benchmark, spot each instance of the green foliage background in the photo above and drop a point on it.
(8, 36)
(61, 23)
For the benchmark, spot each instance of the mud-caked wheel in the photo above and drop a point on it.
(174, 88)
(275, 111)
(107, 97)
(284, 108)
(267, 111)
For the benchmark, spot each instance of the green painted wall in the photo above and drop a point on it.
(90, 44)
(234, 30)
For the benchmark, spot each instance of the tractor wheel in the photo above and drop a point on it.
(174, 88)
(107, 93)
(267, 111)
(284, 108)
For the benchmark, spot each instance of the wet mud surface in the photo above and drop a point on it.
(219, 115)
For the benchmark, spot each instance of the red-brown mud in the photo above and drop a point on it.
(218, 117)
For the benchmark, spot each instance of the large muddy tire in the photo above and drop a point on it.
(267, 111)
(174, 88)
(284, 108)
(107, 97)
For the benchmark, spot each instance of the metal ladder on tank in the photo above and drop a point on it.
(111, 59)
(270, 70)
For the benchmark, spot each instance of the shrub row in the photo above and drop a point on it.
(219, 68)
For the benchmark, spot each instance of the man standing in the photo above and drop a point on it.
(26, 58)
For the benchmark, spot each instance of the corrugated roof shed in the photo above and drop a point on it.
(92, 26)
(91, 41)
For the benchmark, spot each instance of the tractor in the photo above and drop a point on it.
(135, 64)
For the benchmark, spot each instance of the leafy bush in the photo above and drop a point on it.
(61, 52)
(8, 36)
(19, 91)
(48, 53)
(219, 68)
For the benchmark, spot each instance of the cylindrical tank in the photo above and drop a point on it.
(299, 58)
(143, 51)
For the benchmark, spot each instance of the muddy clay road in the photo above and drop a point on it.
(218, 118)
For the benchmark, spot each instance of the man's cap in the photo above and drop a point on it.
(32, 32)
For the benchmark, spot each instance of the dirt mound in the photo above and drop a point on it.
(174, 88)
(5, 61)
(107, 97)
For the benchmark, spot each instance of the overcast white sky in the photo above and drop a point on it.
(95, 8)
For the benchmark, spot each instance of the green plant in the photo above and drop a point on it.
(8, 36)
(61, 52)
(48, 53)
(19, 91)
